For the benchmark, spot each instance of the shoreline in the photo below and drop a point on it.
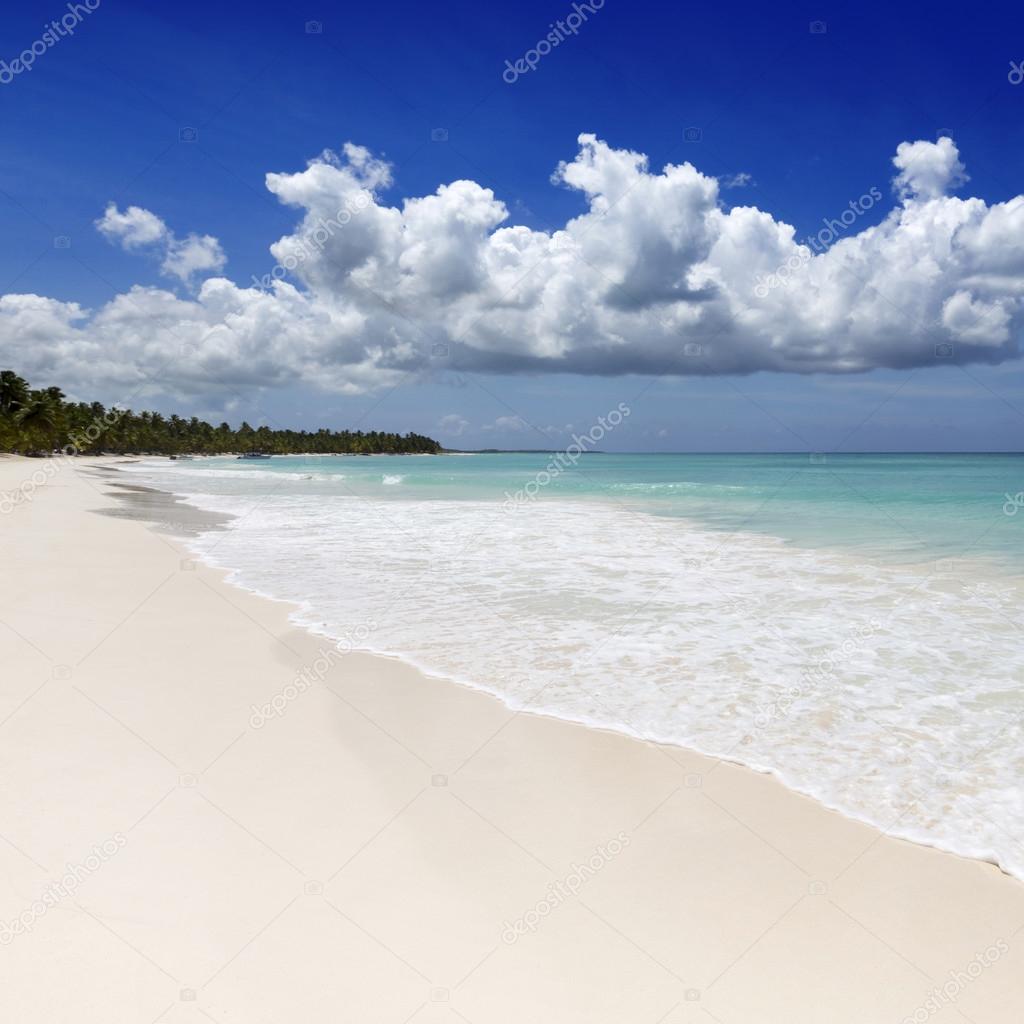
(889, 818)
(431, 816)
(198, 520)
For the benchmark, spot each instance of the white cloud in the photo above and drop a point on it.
(654, 275)
(196, 254)
(928, 170)
(741, 179)
(133, 228)
(183, 258)
(976, 321)
(507, 425)
(452, 425)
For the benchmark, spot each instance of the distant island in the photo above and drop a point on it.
(41, 421)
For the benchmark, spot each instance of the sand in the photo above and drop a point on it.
(379, 846)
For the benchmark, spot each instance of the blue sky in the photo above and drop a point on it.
(813, 118)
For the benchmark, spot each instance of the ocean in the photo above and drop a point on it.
(850, 623)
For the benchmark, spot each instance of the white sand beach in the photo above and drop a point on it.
(384, 847)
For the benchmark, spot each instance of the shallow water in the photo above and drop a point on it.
(851, 625)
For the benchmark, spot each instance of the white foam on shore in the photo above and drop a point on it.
(889, 693)
(181, 473)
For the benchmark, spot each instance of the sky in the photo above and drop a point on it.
(758, 227)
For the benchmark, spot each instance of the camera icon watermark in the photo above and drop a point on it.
(188, 134)
(438, 134)
(312, 888)
(314, 28)
(818, 458)
(692, 134)
(817, 28)
(439, 781)
(62, 672)
(944, 350)
(691, 348)
(62, 242)
(439, 350)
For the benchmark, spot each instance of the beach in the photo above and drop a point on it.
(210, 813)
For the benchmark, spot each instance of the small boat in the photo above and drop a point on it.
(254, 455)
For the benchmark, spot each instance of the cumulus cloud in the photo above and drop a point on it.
(928, 169)
(133, 228)
(508, 424)
(183, 258)
(654, 275)
(195, 254)
(453, 425)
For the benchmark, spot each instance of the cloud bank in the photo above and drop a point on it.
(655, 276)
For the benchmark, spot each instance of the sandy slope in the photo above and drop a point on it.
(366, 854)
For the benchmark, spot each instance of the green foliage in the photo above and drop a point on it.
(34, 421)
(14, 396)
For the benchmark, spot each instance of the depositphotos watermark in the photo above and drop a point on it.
(52, 34)
(948, 993)
(560, 31)
(52, 895)
(816, 676)
(559, 891)
(1013, 504)
(309, 676)
(313, 241)
(833, 228)
(563, 460)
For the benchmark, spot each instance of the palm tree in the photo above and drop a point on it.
(13, 392)
(13, 396)
(39, 420)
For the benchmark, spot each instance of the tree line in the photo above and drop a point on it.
(41, 421)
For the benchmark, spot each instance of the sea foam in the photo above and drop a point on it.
(891, 693)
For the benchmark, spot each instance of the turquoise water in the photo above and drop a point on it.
(851, 625)
(902, 507)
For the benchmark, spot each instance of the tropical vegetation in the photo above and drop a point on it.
(42, 421)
